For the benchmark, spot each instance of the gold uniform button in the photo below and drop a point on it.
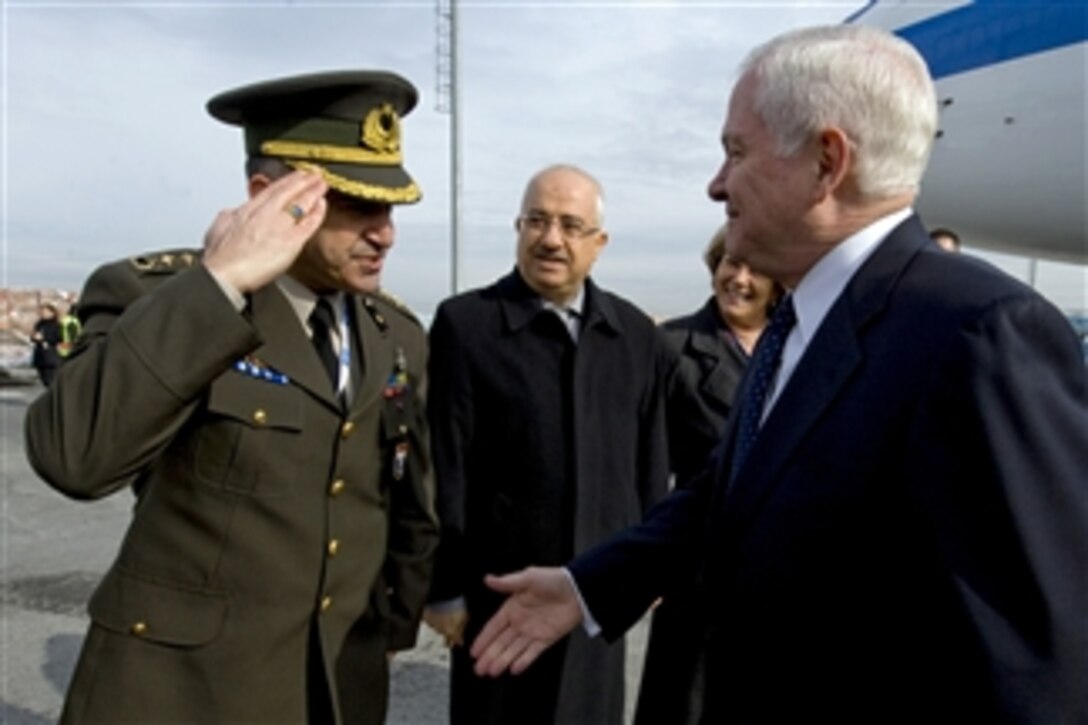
(334, 546)
(326, 602)
(139, 629)
(336, 487)
(347, 429)
(260, 417)
(402, 429)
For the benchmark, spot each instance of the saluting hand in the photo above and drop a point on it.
(541, 609)
(251, 245)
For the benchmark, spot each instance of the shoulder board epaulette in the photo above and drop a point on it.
(166, 262)
(391, 301)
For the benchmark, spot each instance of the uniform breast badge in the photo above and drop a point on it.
(397, 387)
(255, 368)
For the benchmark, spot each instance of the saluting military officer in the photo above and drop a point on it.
(263, 398)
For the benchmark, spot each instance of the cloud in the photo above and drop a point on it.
(109, 151)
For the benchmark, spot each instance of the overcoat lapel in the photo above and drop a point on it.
(823, 371)
(518, 302)
(706, 343)
(286, 347)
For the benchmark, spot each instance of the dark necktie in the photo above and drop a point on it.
(322, 321)
(764, 364)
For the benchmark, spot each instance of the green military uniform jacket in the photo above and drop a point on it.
(262, 509)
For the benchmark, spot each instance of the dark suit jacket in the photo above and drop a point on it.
(243, 485)
(907, 541)
(542, 448)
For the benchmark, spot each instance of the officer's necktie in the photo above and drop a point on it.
(322, 322)
(764, 364)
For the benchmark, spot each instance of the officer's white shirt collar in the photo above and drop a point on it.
(823, 284)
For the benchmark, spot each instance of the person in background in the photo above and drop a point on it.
(895, 525)
(70, 328)
(263, 399)
(45, 338)
(946, 239)
(714, 345)
(548, 421)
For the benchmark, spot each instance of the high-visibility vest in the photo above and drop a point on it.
(69, 331)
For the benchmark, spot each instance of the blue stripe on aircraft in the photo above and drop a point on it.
(993, 31)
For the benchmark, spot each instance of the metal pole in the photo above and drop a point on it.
(455, 157)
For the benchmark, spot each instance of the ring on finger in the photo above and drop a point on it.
(295, 211)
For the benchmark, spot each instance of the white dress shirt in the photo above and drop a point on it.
(821, 286)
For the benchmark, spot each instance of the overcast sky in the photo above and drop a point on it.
(108, 151)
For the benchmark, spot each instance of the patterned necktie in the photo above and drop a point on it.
(322, 322)
(764, 364)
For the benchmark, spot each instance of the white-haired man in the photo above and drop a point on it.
(894, 529)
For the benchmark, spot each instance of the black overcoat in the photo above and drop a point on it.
(542, 448)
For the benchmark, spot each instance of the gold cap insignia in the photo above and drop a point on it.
(381, 129)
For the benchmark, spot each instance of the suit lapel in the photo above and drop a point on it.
(286, 347)
(825, 368)
(823, 372)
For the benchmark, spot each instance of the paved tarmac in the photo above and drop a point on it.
(52, 553)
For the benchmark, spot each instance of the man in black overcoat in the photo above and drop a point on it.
(548, 428)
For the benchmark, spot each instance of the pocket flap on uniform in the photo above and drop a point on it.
(258, 403)
(157, 612)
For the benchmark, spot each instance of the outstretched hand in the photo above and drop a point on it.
(251, 245)
(541, 609)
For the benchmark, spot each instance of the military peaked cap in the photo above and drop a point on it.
(343, 124)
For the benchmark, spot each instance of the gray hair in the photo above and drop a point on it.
(569, 168)
(866, 81)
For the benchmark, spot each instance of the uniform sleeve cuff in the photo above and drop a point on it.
(236, 298)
